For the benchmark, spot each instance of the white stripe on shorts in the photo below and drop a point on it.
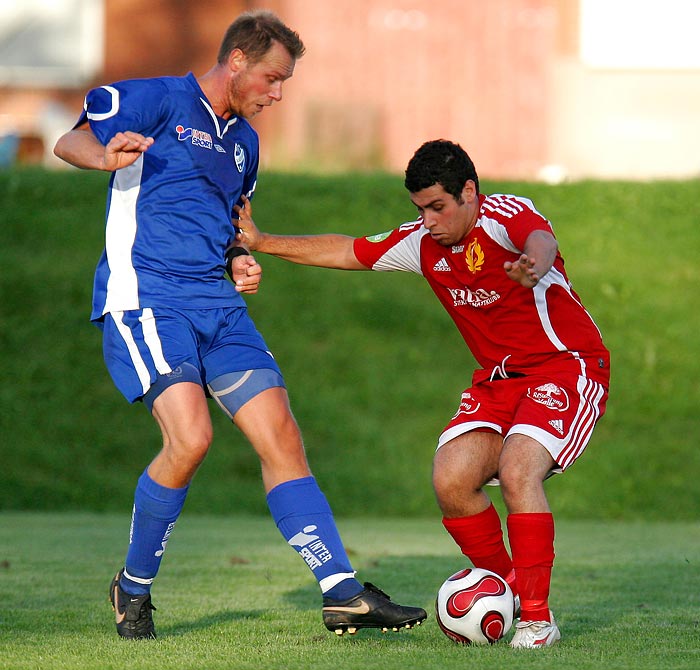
(462, 428)
(586, 417)
(134, 354)
(567, 449)
(152, 341)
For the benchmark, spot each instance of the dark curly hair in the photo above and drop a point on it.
(254, 32)
(440, 162)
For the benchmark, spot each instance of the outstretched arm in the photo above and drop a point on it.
(535, 261)
(81, 148)
(326, 251)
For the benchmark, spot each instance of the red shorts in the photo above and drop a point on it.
(557, 410)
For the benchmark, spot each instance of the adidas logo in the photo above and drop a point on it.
(442, 266)
(558, 425)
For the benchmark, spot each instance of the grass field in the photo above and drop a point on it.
(374, 368)
(232, 594)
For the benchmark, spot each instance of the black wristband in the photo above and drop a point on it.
(231, 253)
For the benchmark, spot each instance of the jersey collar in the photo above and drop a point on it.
(221, 125)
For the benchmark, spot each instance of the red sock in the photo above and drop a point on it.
(532, 544)
(480, 538)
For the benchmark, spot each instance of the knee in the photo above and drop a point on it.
(190, 448)
(279, 440)
(459, 469)
(516, 481)
(445, 480)
(453, 484)
(509, 478)
(280, 432)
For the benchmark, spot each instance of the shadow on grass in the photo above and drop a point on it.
(577, 596)
(210, 621)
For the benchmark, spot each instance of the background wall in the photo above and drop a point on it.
(534, 89)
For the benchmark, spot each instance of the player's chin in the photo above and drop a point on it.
(256, 110)
(443, 241)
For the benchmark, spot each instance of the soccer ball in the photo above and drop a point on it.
(474, 606)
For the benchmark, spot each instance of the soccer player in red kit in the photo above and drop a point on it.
(542, 381)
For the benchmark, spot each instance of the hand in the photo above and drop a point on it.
(249, 233)
(124, 149)
(246, 274)
(522, 271)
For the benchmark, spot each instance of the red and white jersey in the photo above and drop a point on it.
(508, 328)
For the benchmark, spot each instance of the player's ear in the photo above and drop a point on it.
(236, 60)
(469, 191)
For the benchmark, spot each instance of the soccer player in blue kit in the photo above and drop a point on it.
(182, 154)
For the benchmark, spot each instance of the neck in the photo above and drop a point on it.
(473, 217)
(213, 85)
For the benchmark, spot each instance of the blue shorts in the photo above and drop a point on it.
(139, 346)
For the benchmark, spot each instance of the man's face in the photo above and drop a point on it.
(257, 85)
(446, 219)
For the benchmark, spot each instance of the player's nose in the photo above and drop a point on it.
(429, 221)
(276, 91)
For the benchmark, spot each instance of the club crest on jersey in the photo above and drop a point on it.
(239, 157)
(474, 256)
(550, 395)
(198, 138)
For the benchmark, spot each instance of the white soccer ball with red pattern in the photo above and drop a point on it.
(474, 606)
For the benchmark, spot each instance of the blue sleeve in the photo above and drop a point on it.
(127, 105)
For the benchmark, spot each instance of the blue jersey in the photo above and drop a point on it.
(169, 214)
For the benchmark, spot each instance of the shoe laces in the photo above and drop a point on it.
(376, 590)
(144, 623)
(144, 608)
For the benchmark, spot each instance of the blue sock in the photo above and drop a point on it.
(156, 508)
(305, 519)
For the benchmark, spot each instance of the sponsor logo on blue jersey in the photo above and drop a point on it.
(198, 138)
(239, 157)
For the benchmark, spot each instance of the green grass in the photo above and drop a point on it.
(232, 594)
(373, 364)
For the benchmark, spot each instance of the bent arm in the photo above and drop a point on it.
(81, 148)
(536, 260)
(541, 246)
